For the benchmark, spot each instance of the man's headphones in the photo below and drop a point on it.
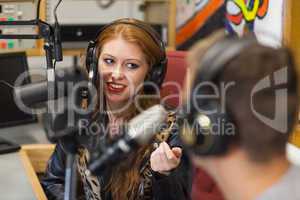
(199, 132)
(158, 70)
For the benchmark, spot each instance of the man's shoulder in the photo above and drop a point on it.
(286, 188)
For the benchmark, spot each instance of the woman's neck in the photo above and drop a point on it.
(117, 117)
(118, 111)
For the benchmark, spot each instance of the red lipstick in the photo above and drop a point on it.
(115, 87)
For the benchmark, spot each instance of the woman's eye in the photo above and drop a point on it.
(132, 65)
(108, 61)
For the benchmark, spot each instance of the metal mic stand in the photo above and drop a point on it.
(46, 32)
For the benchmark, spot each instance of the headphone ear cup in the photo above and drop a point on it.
(92, 62)
(161, 72)
(156, 76)
(207, 134)
(89, 55)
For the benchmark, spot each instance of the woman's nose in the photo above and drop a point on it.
(117, 72)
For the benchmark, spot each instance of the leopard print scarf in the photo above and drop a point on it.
(91, 184)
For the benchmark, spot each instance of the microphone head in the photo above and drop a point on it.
(145, 125)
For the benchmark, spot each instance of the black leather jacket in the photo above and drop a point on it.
(175, 186)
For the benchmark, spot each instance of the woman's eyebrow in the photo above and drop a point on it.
(106, 54)
(139, 60)
(135, 59)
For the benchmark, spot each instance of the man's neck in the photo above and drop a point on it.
(241, 179)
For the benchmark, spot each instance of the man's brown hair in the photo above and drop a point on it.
(246, 70)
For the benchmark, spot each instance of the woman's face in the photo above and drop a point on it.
(123, 68)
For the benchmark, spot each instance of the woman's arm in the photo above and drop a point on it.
(54, 179)
(177, 185)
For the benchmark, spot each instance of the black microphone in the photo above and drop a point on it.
(141, 129)
(58, 55)
(34, 93)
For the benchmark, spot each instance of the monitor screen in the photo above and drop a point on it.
(11, 66)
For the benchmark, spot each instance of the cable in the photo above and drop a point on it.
(57, 36)
(54, 11)
(38, 10)
(7, 84)
(54, 65)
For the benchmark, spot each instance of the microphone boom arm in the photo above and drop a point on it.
(44, 31)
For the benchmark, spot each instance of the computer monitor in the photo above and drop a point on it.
(11, 66)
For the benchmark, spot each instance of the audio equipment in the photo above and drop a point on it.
(79, 19)
(17, 10)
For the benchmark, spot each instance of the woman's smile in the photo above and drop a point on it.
(116, 88)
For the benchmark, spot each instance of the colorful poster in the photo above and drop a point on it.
(196, 19)
(263, 17)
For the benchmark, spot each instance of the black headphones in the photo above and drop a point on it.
(158, 70)
(198, 132)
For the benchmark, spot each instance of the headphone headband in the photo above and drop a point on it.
(139, 24)
(219, 54)
(158, 70)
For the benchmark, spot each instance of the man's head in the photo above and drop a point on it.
(257, 91)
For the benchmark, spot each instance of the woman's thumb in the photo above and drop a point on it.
(177, 151)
